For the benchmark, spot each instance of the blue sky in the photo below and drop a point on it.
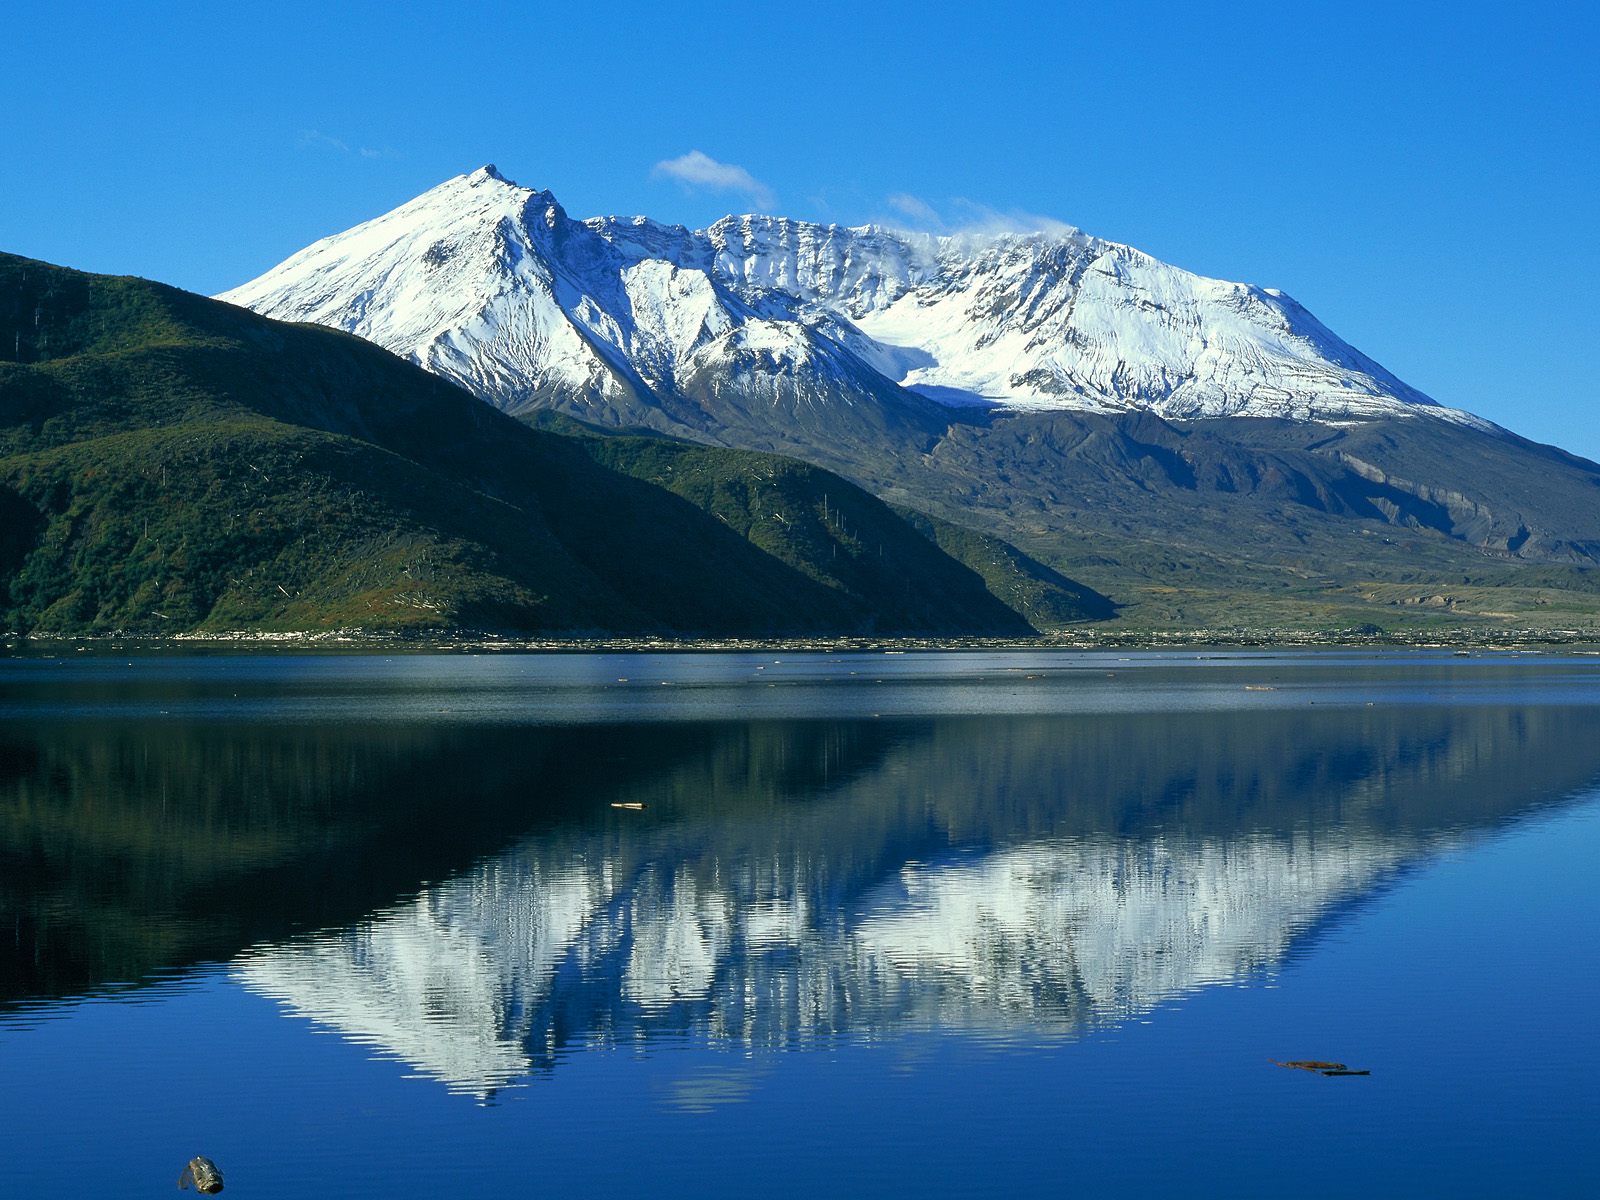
(1423, 177)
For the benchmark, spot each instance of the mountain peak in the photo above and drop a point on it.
(488, 181)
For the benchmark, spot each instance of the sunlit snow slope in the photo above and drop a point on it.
(494, 286)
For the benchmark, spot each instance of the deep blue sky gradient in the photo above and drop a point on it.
(1423, 177)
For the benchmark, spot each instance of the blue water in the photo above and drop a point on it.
(931, 924)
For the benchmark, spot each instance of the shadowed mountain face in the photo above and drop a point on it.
(1263, 524)
(464, 896)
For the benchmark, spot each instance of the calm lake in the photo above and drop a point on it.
(923, 924)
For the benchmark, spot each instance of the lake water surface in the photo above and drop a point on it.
(931, 924)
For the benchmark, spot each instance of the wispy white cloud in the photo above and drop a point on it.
(980, 218)
(315, 137)
(699, 170)
(326, 141)
(917, 210)
(959, 215)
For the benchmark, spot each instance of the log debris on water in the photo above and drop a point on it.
(1318, 1066)
(202, 1175)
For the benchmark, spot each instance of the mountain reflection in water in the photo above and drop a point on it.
(1018, 877)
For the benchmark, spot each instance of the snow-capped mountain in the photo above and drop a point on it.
(493, 286)
(1071, 395)
(764, 321)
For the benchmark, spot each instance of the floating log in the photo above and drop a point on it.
(1317, 1066)
(202, 1175)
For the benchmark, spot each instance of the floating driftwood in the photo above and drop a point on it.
(1318, 1066)
(202, 1175)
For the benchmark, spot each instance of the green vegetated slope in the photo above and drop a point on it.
(819, 523)
(169, 463)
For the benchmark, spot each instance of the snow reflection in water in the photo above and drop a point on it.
(484, 979)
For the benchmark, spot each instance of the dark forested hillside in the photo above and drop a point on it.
(171, 463)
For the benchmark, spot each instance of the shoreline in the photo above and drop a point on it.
(350, 641)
